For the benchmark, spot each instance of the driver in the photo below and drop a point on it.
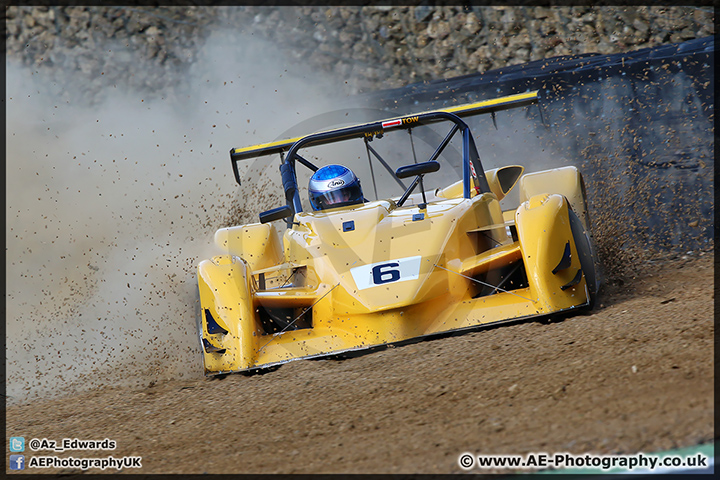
(334, 186)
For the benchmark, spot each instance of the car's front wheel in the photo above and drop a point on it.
(587, 256)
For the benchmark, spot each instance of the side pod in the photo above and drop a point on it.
(230, 330)
(258, 243)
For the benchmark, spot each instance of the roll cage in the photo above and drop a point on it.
(471, 165)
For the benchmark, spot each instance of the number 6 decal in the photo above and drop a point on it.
(381, 274)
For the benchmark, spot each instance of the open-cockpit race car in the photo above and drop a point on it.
(434, 255)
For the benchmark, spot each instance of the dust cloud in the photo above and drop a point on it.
(110, 208)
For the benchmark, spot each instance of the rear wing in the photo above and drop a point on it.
(379, 127)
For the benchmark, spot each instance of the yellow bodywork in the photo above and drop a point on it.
(356, 277)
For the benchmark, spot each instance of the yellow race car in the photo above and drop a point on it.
(432, 252)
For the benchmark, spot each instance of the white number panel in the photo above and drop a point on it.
(391, 271)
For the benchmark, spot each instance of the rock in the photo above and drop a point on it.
(152, 31)
(509, 19)
(438, 30)
(422, 13)
(422, 39)
(472, 25)
(522, 54)
(29, 21)
(641, 25)
(473, 61)
(541, 12)
(687, 33)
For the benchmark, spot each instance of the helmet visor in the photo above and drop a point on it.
(350, 194)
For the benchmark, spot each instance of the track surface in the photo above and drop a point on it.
(636, 375)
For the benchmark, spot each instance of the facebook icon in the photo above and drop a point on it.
(17, 462)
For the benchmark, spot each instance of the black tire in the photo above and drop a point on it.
(587, 257)
(199, 328)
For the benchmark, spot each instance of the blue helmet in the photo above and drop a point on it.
(334, 186)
